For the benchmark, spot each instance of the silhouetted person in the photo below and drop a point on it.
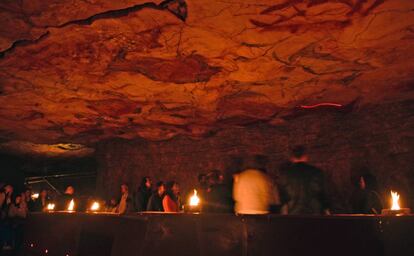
(172, 200)
(125, 203)
(155, 201)
(365, 199)
(6, 200)
(65, 199)
(29, 199)
(41, 202)
(253, 190)
(301, 186)
(143, 194)
(218, 198)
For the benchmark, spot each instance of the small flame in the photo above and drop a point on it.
(194, 199)
(35, 196)
(71, 205)
(50, 207)
(95, 206)
(395, 198)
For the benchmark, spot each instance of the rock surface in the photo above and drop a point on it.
(81, 71)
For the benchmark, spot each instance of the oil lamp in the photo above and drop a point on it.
(395, 206)
(194, 203)
(95, 207)
(50, 207)
(71, 206)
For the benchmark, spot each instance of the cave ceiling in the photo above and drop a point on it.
(80, 71)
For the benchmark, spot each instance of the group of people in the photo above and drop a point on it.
(299, 189)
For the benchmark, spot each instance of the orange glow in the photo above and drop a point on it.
(95, 206)
(194, 199)
(50, 207)
(71, 205)
(395, 201)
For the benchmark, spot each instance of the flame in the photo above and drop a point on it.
(395, 198)
(194, 199)
(50, 207)
(71, 205)
(95, 206)
(35, 196)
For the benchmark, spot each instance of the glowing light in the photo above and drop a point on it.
(50, 207)
(194, 199)
(328, 104)
(95, 206)
(71, 206)
(35, 196)
(32, 245)
(46, 251)
(395, 201)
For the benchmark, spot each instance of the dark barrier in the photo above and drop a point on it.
(70, 234)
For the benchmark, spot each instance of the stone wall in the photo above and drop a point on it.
(380, 138)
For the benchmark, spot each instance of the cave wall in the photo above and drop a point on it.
(377, 137)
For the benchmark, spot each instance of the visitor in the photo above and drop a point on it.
(143, 194)
(125, 202)
(18, 208)
(365, 199)
(17, 213)
(155, 201)
(40, 204)
(65, 199)
(172, 201)
(253, 190)
(6, 199)
(302, 186)
(218, 198)
(29, 199)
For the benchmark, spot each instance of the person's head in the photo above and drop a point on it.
(202, 179)
(173, 187)
(70, 190)
(299, 155)
(146, 182)
(160, 188)
(17, 199)
(43, 193)
(124, 188)
(215, 177)
(28, 193)
(8, 189)
(368, 181)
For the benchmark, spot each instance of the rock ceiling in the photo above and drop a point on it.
(80, 71)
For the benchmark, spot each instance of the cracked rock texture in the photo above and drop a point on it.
(81, 71)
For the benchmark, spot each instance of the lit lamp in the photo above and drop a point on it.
(71, 206)
(95, 207)
(395, 206)
(194, 203)
(50, 207)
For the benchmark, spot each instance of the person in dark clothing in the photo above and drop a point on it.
(155, 201)
(29, 199)
(41, 202)
(301, 186)
(365, 199)
(66, 198)
(218, 198)
(143, 194)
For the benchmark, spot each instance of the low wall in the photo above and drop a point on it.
(203, 234)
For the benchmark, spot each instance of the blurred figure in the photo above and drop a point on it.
(64, 200)
(155, 201)
(125, 202)
(17, 213)
(172, 200)
(365, 199)
(111, 206)
(218, 199)
(302, 186)
(143, 194)
(253, 190)
(202, 187)
(6, 194)
(41, 202)
(29, 200)
(18, 209)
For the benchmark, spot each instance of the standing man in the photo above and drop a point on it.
(143, 194)
(301, 186)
